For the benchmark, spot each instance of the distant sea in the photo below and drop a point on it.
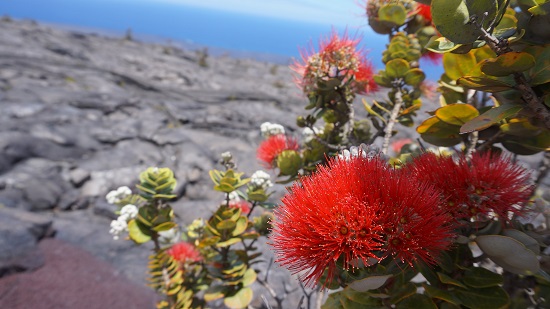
(240, 35)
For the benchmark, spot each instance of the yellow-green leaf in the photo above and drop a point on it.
(458, 65)
(397, 68)
(456, 114)
(508, 63)
(484, 84)
(490, 117)
(136, 234)
(240, 300)
(394, 13)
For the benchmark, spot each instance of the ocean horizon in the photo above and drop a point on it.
(222, 32)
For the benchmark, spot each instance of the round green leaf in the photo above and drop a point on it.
(509, 254)
(249, 277)
(369, 283)
(414, 77)
(458, 65)
(457, 114)
(528, 241)
(226, 224)
(452, 18)
(441, 45)
(397, 68)
(240, 300)
(394, 13)
(509, 63)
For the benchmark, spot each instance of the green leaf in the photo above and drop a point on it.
(414, 77)
(333, 301)
(136, 234)
(362, 298)
(226, 224)
(459, 65)
(448, 280)
(452, 18)
(441, 45)
(401, 292)
(165, 226)
(440, 133)
(490, 117)
(478, 277)
(416, 301)
(508, 63)
(397, 68)
(486, 298)
(509, 254)
(484, 84)
(249, 277)
(369, 283)
(394, 13)
(240, 227)
(441, 294)
(457, 114)
(540, 73)
(240, 300)
(528, 241)
(228, 242)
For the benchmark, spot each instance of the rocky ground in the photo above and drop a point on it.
(83, 114)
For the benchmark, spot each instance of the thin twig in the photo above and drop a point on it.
(489, 142)
(474, 137)
(398, 102)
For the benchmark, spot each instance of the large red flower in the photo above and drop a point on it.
(184, 252)
(355, 212)
(337, 57)
(489, 186)
(425, 11)
(270, 148)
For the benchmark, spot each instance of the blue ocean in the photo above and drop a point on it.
(278, 40)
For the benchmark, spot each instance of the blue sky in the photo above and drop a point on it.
(335, 12)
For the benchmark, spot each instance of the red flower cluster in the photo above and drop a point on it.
(337, 57)
(270, 148)
(243, 205)
(184, 252)
(353, 212)
(488, 186)
(425, 11)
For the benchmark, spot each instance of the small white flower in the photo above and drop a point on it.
(129, 211)
(365, 151)
(226, 156)
(261, 179)
(234, 196)
(170, 236)
(308, 133)
(268, 129)
(118, 195)
(118, 226)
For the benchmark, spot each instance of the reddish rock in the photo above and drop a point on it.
(72, 278)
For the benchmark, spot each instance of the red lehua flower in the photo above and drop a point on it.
(398, 144)
(270, 148)
(242, 204)
(425, 11)
(353, 211)
(337, 57)
(432, 57)
(364, 83)
(490, 185)
(184, 252)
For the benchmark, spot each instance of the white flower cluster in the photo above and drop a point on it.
(234, 196)
(363, 150)
(118, 195)
(268, 129)
(308, 133)
(121, 223)
(261, 179)
(226, 156)
(170, 236)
